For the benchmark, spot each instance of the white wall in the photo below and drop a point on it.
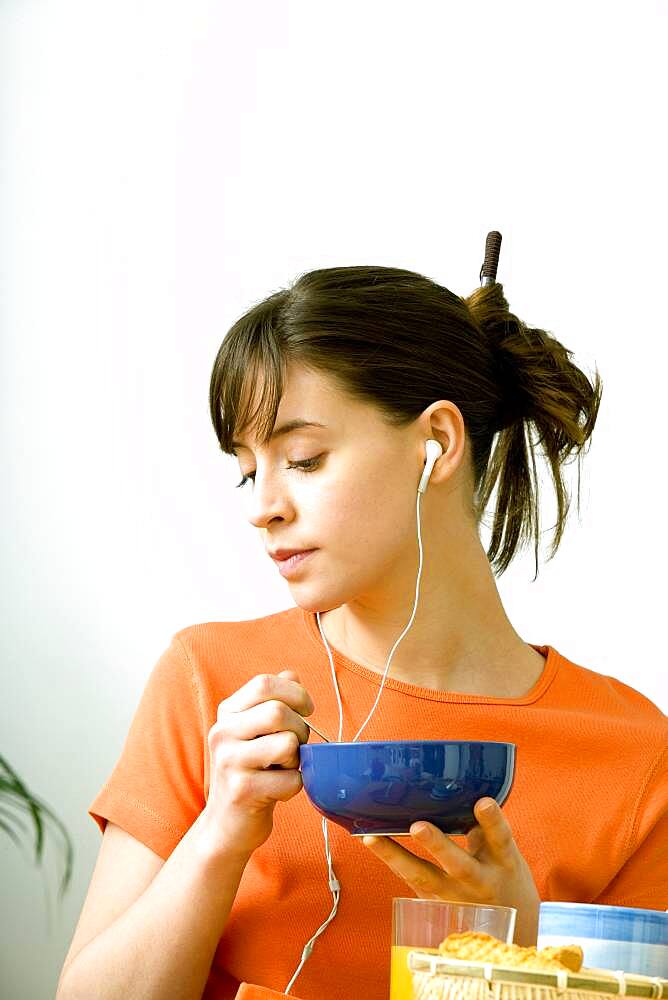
(164, 166)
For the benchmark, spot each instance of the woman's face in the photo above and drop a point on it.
(356, 507)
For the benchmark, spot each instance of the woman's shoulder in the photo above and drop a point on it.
(595, 692)
(210, 638)
(223, 655)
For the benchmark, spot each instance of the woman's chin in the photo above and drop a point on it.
(311, 602)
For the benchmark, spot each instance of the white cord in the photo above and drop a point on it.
(336, 686)
(334, 884)
(389, 659)
(336, 895)
(333, 881)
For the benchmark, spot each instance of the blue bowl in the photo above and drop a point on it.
(383, 787)
(611, 937)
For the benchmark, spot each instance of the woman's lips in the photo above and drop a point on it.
(286, 567)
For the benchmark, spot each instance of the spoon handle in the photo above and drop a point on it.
(316, 730)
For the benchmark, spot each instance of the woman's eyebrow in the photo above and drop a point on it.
(287, 428)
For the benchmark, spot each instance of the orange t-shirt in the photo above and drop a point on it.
(588, 806)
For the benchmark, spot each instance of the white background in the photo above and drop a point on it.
(164, 166)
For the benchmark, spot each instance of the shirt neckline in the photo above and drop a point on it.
(552, 660)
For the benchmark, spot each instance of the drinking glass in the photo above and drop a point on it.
(424, 923)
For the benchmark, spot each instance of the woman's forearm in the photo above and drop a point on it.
(164, 944)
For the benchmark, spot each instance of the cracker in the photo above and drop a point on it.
(474, 946)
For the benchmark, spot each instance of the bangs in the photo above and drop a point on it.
(247, 379)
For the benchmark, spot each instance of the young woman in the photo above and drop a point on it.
(212, 868)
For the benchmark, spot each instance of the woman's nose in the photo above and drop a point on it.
(269, 501)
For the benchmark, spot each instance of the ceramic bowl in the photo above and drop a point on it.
(611, 937)
(383, 787)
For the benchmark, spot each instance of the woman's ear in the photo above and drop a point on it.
(444, 423)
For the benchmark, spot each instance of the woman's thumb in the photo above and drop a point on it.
(292, 675)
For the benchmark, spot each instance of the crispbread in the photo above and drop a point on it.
(475, 946)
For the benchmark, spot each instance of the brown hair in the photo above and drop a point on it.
(401, 341)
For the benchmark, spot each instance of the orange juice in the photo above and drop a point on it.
(401, 982)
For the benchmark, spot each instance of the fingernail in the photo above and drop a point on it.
(421, 830)
(487, 806)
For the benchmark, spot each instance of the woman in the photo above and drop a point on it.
(212, 869)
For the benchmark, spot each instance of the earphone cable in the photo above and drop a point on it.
(387, 665)
(336, 686)
(336, 895)
(389, 659)
(333, 881)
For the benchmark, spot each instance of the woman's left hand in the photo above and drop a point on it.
(491, 870)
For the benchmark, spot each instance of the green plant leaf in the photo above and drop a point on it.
(18, 796)
(14, 819)
(8, 830)
(15, 786)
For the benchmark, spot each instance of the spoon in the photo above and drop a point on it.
(316, 730)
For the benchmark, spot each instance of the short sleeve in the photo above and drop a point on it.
(643, 880)
(156, 790)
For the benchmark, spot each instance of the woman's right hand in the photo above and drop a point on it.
(254, 760)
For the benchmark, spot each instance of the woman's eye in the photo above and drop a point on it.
(308, 465)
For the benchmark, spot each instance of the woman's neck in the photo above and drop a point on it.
(461, 638)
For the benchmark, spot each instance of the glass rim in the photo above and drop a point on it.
(453, 902)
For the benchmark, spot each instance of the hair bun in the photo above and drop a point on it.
(512, 399)
(505, 335)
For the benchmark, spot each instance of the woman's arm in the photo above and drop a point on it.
(163, 944)
(161, 933)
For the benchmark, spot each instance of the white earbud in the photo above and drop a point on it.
(434, 451)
